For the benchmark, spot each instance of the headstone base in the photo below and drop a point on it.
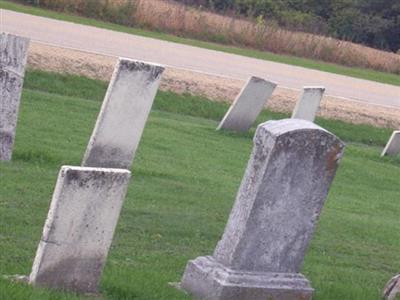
(207, 279)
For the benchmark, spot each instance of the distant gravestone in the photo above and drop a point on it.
(123, 115)
(273, 219)
(308, 105)
(248, 105)
(393, 146)
(79, 228)
(13, 56)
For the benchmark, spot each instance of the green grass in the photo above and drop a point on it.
(291, 60)
(185, 177)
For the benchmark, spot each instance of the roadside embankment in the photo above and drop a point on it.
(217, 88)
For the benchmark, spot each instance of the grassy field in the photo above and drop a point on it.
(185, 177)
(291, 60)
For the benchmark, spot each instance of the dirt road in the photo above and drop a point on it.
(113, 43)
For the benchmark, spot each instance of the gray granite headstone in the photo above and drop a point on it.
(248, 105)
(393, 145)
(123, 115)
(79, 228)
(308, 105)
(273, 219)
(13, 56)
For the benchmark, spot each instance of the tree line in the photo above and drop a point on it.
(374, 23)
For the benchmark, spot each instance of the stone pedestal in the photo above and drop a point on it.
(273, 219)
(79, 228)
(206, 278)
(13, 55)
(308, 105)
(123, 115)
(248, 105)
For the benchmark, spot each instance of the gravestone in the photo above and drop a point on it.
(392, 288)
(273, 219)
(13, 56)
(123, 115)
(393, 146)
(247, 105)
(308, 105)
(79, 228)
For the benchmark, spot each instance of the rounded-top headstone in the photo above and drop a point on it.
(273, 219)
(285, 185)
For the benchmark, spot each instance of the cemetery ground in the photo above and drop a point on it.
(185, 178)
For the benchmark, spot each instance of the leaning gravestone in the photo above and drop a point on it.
(392, 288)
(308, 105)
(393, 146)
(123, 115)
(272, 222)
(79, 228)
(248, 105)
(13, 56)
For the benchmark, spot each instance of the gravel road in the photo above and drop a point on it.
(111, 43)
(217, 88)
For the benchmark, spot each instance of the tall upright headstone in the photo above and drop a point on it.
(13, 56)
(308, 105)
(247, 105)
(273, 219)
(79, 228)
(123, 115)
(393, 146)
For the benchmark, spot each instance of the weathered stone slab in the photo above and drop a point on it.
(393, 146)
(79, 228)
(392, 288)
(13, 55)
(248, 105)
(123, 115)
(273, 219)
(308, 105)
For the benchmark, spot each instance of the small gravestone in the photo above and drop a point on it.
(248, 105)
(393, 146)
(123, 115)
(13, 56)
(79, 228)
(273, 219)
(308, 105)
(392, 288)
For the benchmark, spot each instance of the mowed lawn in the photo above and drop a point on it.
(185, 178)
